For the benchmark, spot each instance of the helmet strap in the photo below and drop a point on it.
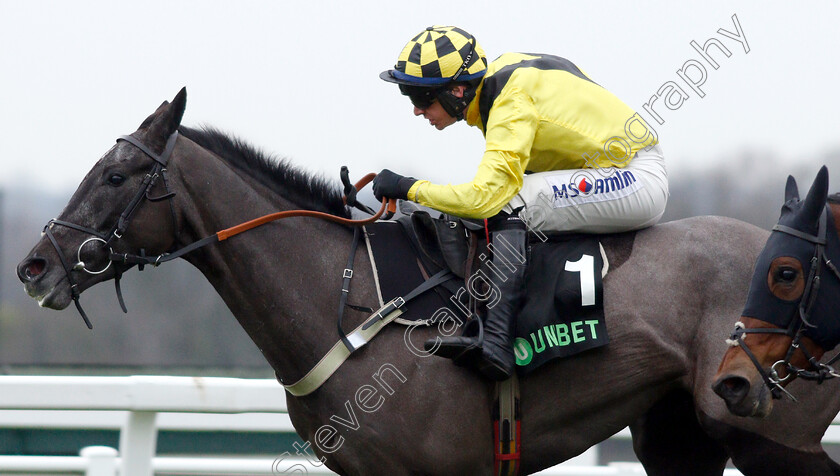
(454, 105)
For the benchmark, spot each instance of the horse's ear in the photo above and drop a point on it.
(166, 119)
(179, 105)
(791, 190)
(816, 198)
(148, 121)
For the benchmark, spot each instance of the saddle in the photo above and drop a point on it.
(563, 310)
(446, 240)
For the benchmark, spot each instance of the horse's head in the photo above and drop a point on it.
(121, 207)
(789, 319)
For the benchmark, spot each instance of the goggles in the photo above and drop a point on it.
(421, 97)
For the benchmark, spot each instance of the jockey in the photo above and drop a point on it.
(562, 154)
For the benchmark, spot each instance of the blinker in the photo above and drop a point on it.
(819, 302)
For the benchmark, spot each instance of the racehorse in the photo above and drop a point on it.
(670, 297)
(789, 320)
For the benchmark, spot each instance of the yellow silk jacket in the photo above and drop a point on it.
(538, 113)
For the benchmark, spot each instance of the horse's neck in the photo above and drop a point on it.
(267, 276)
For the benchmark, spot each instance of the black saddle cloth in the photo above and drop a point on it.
(563, 313)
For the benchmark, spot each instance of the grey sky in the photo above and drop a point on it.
(300, 79)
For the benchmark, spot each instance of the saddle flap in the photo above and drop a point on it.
(443, 240)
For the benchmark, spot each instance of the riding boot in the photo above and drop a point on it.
(493, 355)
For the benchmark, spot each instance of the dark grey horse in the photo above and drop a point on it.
(670, 298)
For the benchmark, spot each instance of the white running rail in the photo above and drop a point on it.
(143, 398)
(141, 405)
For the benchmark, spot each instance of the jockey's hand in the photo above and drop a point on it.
(387, 184)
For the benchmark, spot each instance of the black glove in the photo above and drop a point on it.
(387, 184)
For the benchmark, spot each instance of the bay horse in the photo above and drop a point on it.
(790, 317)
(670, 297)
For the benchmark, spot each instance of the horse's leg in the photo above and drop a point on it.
(756, 455)
(668, 440)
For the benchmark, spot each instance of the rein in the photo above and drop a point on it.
(342, 349)
(158, 171)
(817, 371)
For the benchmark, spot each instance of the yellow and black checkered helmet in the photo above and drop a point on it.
(437, 56)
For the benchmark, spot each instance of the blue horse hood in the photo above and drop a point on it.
(761, 304)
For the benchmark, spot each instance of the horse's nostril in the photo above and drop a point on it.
(31, 269)
(732, 389)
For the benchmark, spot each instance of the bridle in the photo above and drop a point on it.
(799, 324)
(158, 171)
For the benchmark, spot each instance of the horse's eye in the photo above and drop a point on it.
(116, 180)
(786, 275)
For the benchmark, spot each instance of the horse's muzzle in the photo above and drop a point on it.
(732, 389)
(42, 283)
(742, 397)
(31, 269)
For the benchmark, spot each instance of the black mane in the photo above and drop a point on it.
(302, 188)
